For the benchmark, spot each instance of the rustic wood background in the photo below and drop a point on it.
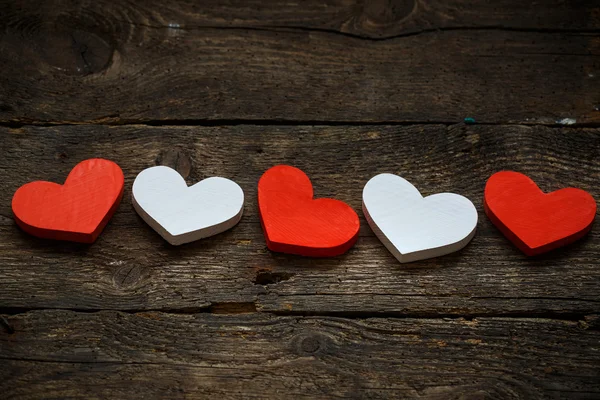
(343, 89)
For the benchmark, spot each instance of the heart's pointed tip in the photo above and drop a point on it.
(42, 233)
(331, 249)
(306, 251)
(294, 244)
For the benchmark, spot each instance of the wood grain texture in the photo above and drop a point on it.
(537, 222)
(77, 210)
(86, 61)
(213, 86)
(413, 227)
(374, 19)
(182, 214)
(131, 268)
(58, 354)
(295, 222)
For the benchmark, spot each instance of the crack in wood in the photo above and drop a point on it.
(7, 326)
(586, 321)
(117, 121)
(360, 315)
(297, 28)
(267, 277)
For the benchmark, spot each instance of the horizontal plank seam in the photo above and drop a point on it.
(365, 315)
(40, 360)
(446, 29)
(116, 121)
(534, 298)
(448, 295)
(350, 315)
(183, 311)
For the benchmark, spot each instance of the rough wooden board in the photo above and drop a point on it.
(87, 62)
(59, 354)
(373, 19)
(131, 268)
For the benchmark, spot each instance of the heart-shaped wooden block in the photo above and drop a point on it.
(295, 223)
(534, 221)
(182, 214)
(413, 227)
(76, 211)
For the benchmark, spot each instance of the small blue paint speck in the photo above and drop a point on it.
(469, 120)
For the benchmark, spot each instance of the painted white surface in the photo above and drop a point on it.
(182, 214)
(413, 227)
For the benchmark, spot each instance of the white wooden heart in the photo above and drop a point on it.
(182, 214)
(413, 227)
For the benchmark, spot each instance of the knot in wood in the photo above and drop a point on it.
(61, 153)
(127, 276)
(380, 16)
(176, 159)
(71, 50)
(309, 344)
(55, 38)
(383, 12)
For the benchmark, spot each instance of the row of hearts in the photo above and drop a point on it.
(410, 226)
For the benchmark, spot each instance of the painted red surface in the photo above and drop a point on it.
(534, 221)
(76, 211)
(295, 223)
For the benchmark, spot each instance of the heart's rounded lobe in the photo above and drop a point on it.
(293, 222)
(534, 221)
(76, 211)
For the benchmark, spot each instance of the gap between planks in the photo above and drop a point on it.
(587, 321)
(117, 121)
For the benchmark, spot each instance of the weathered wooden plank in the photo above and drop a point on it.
(132, 268)
(58, 354)
(373, 19)
(104, 62)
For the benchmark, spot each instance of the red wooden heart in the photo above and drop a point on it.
(295, 223)
(534, 221)
(76, 211)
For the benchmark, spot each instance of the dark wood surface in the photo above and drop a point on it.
(343, 90)
(110, 354)
(132, 62)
